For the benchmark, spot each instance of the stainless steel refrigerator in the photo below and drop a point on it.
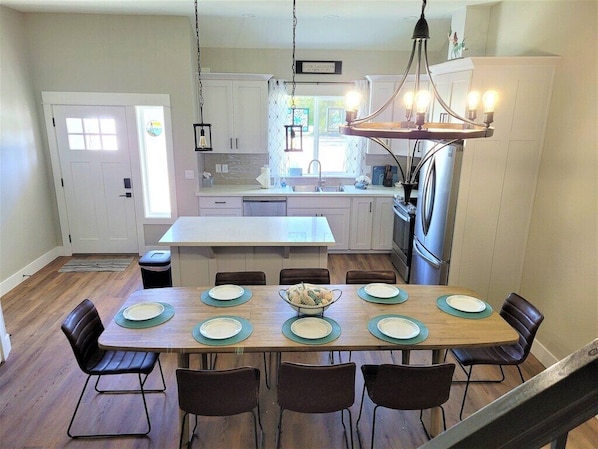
(435, 215)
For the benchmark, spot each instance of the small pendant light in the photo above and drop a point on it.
(293, 131)
(202, 131)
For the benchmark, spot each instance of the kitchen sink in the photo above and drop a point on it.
(310, 188)
(305, 188)
(338, 188)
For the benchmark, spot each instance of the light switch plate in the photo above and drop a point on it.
(224, 168)
(218, 168)
(189, 174)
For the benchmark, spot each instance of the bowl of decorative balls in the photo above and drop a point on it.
(310, 299)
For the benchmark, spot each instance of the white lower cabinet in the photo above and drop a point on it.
(382, 224)
(220, 206)
(371, 224)
(361, 223)
(337, 211)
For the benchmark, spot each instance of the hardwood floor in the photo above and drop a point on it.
(40, 381)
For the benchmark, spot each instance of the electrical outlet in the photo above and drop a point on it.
(218, 168)
(224, 168)
(189, 174)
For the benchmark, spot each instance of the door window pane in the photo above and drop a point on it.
(92, 134)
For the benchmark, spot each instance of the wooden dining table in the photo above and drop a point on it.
(267, 312)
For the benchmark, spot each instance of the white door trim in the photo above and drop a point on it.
(129, 101)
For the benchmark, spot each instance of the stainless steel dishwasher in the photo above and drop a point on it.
(264, 206)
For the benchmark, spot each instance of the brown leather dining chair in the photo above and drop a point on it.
(406, 387)
(82, 328)
(291, 276)
(525, 318)
(370, 276)
(306, 388)
(240, 278)
(219, 393)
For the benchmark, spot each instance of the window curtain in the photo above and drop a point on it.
(357, 146)
(277, 115)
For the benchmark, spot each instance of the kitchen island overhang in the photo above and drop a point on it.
(202, 246)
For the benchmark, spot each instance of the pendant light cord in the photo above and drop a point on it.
(198, 64)
(294, 65)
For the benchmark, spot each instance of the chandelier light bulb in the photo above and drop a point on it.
(489, 99)
(352, 100)
(473, 100)
(422, 101)
(408, 99)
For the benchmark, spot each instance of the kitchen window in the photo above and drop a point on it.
(319, 109)
(320, 117)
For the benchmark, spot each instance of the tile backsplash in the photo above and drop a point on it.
(242, 168)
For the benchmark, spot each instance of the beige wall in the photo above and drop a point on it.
(28, 214)
(156, 55)
(130, 54)
(560, 274)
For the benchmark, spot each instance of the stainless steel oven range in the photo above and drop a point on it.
(402, 236)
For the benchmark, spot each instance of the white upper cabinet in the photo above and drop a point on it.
(236, 105)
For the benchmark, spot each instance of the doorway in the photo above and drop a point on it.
(96, 141)
(96, 178)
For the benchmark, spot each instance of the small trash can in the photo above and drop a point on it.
(155, 269)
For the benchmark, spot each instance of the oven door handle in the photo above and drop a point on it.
(417, 247)
(402, 215)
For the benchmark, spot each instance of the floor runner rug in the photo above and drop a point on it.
(79, 265)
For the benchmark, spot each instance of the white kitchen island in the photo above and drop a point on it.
(202, 246)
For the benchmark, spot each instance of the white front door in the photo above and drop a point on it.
(96, 173)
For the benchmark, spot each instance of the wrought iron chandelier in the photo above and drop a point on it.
(416, 125)
(202, 131)
(293, 131)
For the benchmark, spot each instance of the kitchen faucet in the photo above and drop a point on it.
(319, 170)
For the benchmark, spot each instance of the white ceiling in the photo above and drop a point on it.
(321, 24)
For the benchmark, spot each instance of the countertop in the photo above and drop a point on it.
(249, 231)
(256, 190)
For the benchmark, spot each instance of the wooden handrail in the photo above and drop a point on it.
(540, 411)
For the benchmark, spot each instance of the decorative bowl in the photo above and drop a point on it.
(310, 299)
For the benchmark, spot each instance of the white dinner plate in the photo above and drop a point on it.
(381, 290)
(220, 328)
(226, 292)
(143, 311)
(396, 327)
(466, 303)
(311, 328)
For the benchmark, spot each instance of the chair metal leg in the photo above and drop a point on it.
(279, 430)
(111, 435)
(421, 412)
(258, 420)
(345, 428)
(189, 442)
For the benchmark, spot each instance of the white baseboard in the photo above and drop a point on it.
(32, 268)
(14, 280)
(544, 356)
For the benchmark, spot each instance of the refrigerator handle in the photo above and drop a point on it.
(425, 255)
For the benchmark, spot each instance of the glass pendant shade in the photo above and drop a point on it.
(294, 137)
(203, 136)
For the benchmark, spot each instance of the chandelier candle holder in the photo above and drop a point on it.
(201, 130)
(417, 109)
